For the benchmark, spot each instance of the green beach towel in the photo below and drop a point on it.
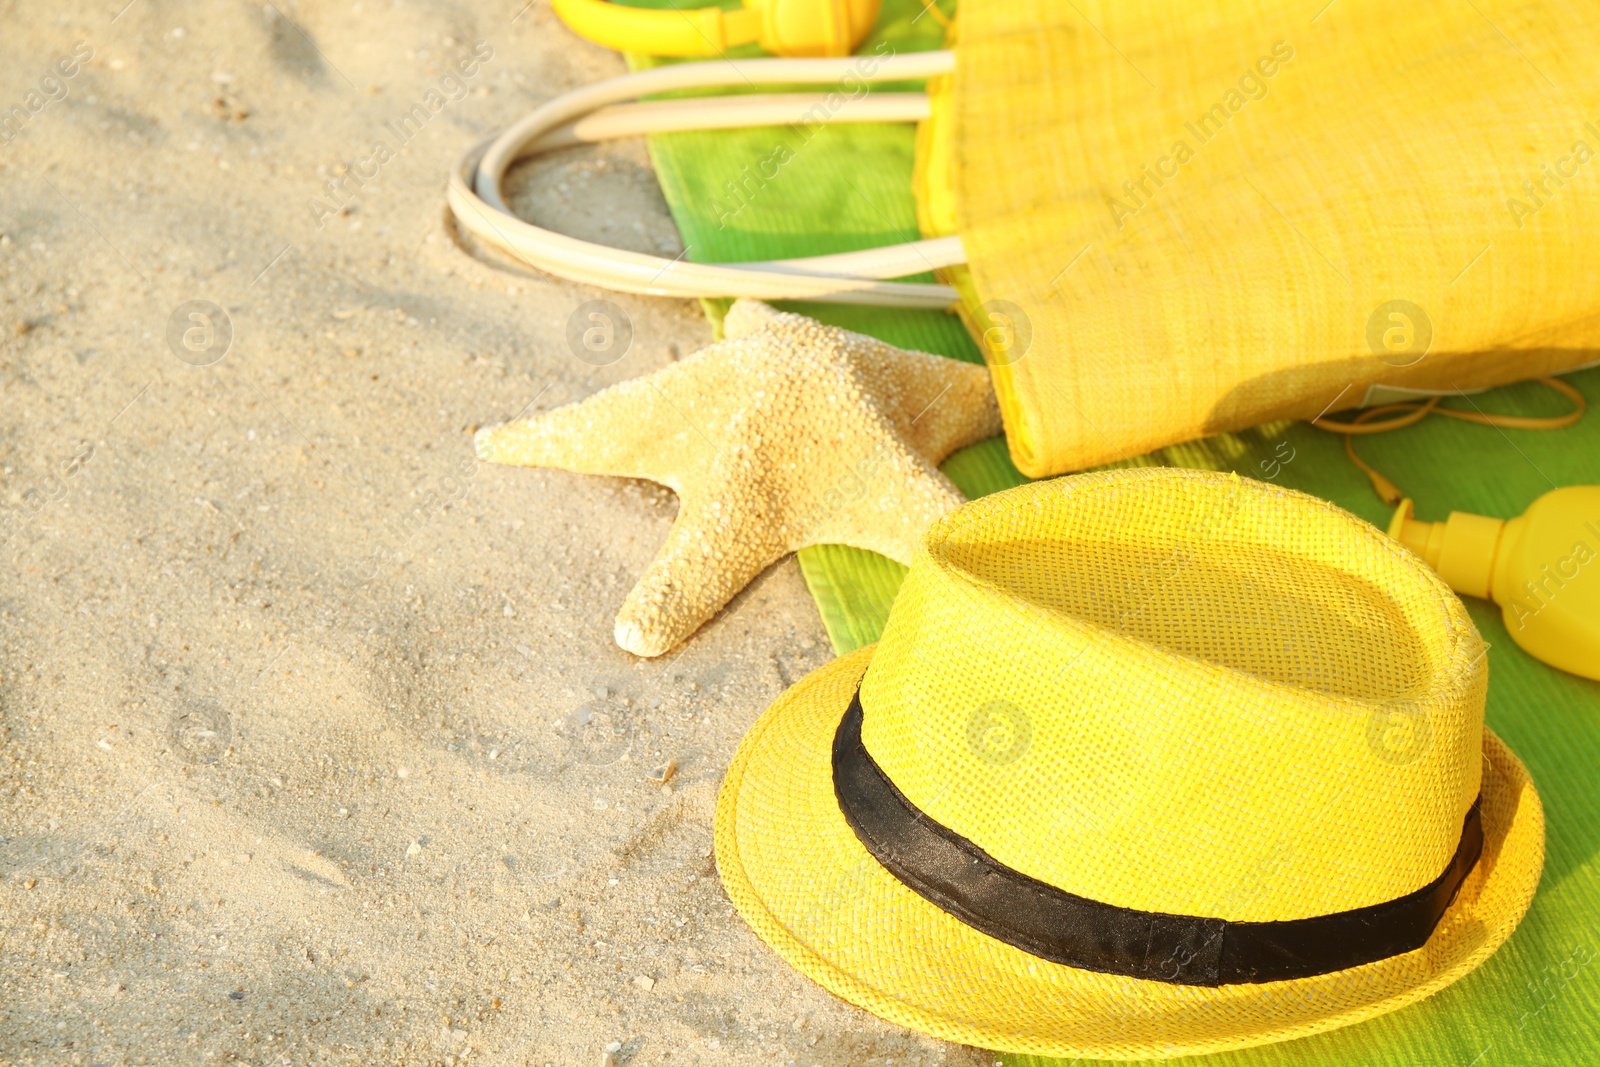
(847, 187)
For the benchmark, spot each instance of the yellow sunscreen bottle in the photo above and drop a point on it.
(1543, 569)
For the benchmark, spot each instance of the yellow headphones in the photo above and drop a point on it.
(782, 27)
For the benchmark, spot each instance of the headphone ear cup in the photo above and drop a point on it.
(815, 27)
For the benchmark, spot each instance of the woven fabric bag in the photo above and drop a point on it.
(1162, 219)
(1189, 217)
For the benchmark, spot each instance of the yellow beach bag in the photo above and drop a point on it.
(1216, 214)
(1167, 219)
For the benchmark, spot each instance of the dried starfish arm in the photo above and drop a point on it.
(592, 436)
(788, 433)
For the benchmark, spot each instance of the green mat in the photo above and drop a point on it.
(1537, 1001)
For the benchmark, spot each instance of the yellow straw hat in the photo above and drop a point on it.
(1147, 763)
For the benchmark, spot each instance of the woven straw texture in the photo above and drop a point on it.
(1189, 648)
(1537, 1000)
(1165, 759)
(1208, 208)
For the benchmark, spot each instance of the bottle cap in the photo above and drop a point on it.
(1462, 549)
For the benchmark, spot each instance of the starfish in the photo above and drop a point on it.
(785, 434)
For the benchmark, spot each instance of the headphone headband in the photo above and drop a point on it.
(783, 27)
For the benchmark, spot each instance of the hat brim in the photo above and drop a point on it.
(797, 874)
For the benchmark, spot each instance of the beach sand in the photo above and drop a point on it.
(314, 742)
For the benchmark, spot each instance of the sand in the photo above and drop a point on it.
(314, 743)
